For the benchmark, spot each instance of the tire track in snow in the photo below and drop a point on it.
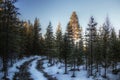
(23, 73)
(41, 69)
(35, 74)
(14, 69)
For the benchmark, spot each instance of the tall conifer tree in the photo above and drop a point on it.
(106, 37)
(74, 34)
(91, 38)
(73, 28)
(9, 31)
(49, 42)
(59, 41)
(36, 36)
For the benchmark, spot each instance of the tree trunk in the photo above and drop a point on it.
(73, 69)
(65, 66)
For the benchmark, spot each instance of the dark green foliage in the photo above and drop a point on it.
(66, 50)
(49, 43)
(105, 49)
(32, 42)
(73, 36)
(91, 36)
(10, 27)
(9, 32)
(73, 27)
(106, 33)
(59, 42)
(27, 38)
(80, 53)
(36, 37)
(114, 55)
(42, 46)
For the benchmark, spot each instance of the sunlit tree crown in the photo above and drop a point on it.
(73, 28)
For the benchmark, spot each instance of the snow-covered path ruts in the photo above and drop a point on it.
(14, 69)
(35, 74)
(23, 73)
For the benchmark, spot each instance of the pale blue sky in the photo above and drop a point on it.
(61, 10)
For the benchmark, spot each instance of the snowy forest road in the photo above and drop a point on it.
(21, 69)
(37, 68)
(30, 69)
(23, 73)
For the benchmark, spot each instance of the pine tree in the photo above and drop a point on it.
(66, 50)
(73, 28)
(42, 45)
(9, 32)
(114, 49)
(80, 52)
(106, 36)
(23, 39)
(86, 50)
(91, 38)
(49, 42)
(118, 50)
(59, 41)
(27, 38)
(74, 34)
(97, 47)
(36, 36)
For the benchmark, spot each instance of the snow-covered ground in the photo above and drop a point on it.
(56, 71)
(35, 74)
(13, 69)
(59, 73)
(80, 75)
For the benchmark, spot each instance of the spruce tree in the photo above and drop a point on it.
(9, 32)
(36, 36)
(27, 38)
(42, 45)
(80, 52)
(114, 50)
(73, 28)
(106, 36)
(91, 38)
(74, 34)
(49, 42)
(59, 41)
(66, 50)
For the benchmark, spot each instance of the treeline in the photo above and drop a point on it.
(102, 48)
(97, 48)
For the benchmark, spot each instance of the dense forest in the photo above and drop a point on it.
(98, 47)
